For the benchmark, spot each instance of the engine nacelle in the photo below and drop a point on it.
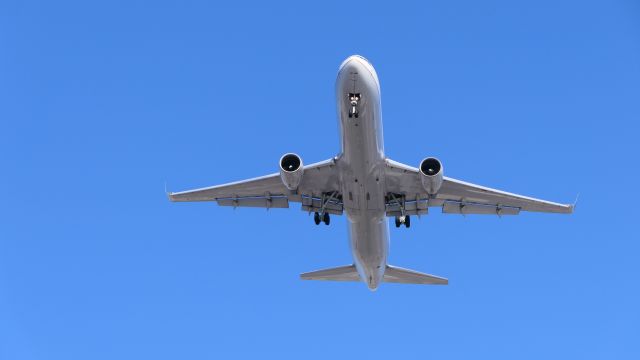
(291, 170)
(431, 175)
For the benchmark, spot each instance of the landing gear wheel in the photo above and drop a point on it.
(407, 221)
(326, 219)
(356, 114)
(398, 221)
(316, 218)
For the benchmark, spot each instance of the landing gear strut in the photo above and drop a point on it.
(353, 101)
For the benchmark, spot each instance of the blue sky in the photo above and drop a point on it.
(102, 102)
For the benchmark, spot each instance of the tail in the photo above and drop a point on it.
(405, 276)
(341, 273)
(392, 274)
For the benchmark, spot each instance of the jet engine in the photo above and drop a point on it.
(431, 175)
(291, 170)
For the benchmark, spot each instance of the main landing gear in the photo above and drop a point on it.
(403, 218)
(326, 219)
(323, 215)
(406, 220)
(353, 101)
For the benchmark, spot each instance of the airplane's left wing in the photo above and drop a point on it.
(458, 197)
(319, 186)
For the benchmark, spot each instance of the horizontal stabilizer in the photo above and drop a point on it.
(405, 276)
(341, 273)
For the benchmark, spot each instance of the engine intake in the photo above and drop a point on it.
(431, 175)
(291, 170)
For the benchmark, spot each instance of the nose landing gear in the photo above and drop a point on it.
(353, 101)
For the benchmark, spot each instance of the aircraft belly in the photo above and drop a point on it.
(369, 244)
(362, 167)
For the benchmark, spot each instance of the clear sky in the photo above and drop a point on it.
(103, 102)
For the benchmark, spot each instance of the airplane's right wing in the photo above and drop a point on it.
(319, 186)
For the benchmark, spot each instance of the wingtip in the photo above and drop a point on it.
(575, 203)
(168, 193)
(171, 197)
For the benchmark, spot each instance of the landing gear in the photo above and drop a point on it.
(323, 215)
(353, 101)
(406, 220)
(353, 112)
(326, 219)
(403, 218)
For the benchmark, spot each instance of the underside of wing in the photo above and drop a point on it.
(318, 189)
(457, 197)
(257, 187)
(461, 191)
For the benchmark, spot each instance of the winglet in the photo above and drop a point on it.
(575, 203)
(167, 192)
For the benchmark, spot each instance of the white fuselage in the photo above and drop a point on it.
(362, 166)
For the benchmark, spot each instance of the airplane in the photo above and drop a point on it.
(366, 185)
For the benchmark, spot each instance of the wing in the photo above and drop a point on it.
(459, 197)
(319, 186)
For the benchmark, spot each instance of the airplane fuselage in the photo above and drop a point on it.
(361, 164)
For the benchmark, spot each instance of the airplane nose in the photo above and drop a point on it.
(354, 62)
(356, 66)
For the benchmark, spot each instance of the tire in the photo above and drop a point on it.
(397, 222)
(316, 218)
(407, 221)
(326, 219)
